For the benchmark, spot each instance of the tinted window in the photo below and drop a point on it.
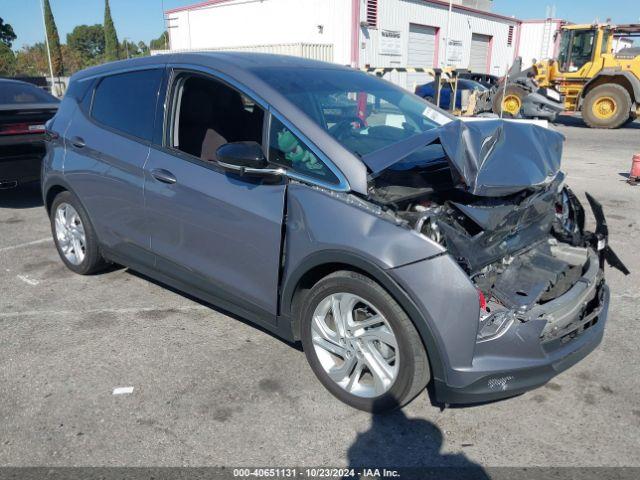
(21, 93)
(207, 114)
(288, 150)
(127, 102)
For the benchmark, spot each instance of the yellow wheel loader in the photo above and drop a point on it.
(592, 74)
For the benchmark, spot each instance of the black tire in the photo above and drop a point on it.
(622, 110)
(93, 261)
(413, 370)
(511, 90)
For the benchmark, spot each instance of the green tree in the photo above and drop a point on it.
(54, 40)
(111, 45)
(7, 35)
(144, 50)
(7, 61)
(88, 42)
(160, 43)
(32, 60)
(129, 49)
(72, 59)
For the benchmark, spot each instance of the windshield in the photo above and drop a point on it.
(363, 113)
(17, 93)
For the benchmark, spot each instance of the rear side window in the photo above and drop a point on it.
(127, 102)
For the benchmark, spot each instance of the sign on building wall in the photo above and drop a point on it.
(454, 53)
(390, 42)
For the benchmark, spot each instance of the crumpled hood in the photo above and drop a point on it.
(488, 157)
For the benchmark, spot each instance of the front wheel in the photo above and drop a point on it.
(509, 101)
(360, 343)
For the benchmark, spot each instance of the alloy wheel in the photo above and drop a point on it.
(70, 234)
(355, 345)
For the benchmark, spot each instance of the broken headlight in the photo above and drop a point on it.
(569, 222)
(427, 223)
(564, 212)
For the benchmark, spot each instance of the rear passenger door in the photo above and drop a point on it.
(108, 144)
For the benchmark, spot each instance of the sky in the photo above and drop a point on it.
(134, 19)
(576, 11)
(142, 19)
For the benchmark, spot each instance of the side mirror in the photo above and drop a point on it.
(244, 158)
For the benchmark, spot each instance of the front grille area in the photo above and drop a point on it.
(588, 318)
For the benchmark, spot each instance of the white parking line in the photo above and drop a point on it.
(28, 244)
(28, 280)
(29, 313)
(122, 390)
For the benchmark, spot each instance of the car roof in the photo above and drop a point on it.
(218, 60)
(247, 69)
(13, 80)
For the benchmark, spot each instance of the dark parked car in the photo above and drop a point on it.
(398, 245)
(428, 92)
(485, 79)
(24, 109)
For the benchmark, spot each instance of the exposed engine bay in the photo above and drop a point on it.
(523, 250)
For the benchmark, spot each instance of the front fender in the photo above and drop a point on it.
(323, 229)
(385, 279)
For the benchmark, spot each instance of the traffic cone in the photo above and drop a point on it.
(634, 174)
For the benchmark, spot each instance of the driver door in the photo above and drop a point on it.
(217, 233)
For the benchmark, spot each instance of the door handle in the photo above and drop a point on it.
(78, 142)
(164, 176)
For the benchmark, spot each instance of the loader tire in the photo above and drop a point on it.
(607, 106)
(509, 102)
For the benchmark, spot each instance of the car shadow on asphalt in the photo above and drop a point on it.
(214, 308)
(413, 445)
(22, 196)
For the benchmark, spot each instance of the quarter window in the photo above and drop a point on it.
(288, 150)
(127, 102)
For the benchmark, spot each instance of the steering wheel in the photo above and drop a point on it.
(340, 129)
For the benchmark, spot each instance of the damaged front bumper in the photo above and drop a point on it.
(536, 346)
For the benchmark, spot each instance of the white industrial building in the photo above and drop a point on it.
(374, 33)
(539, 40)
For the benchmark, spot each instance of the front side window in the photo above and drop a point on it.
(208, 113)
(127, 102)
(288, 150)
(363, 113)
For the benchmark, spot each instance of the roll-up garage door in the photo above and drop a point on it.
(422, 53)
(480, 51)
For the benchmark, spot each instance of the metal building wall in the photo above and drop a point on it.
(533, 41)
(396, 15)
(243, 24)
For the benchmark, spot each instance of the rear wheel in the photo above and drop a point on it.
(607, 106)
(74, 236)
(360, 343)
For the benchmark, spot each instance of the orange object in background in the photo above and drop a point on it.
(634, 174)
